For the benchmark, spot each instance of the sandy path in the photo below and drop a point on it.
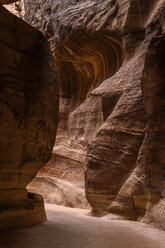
(71, 228)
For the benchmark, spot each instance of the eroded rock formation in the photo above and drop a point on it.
(28, 118)
(117, 48)
(87, 57)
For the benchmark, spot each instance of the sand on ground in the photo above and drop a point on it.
(72, 228)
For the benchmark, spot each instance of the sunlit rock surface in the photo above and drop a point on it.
(16, 8)
(28, 118)
(110, 58)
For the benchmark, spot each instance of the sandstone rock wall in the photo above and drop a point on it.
(28, 117)
(87, 57)
(110, 60)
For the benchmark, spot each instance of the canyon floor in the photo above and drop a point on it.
(73, 228)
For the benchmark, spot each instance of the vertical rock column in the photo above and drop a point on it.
(153, 149)
(28, 118)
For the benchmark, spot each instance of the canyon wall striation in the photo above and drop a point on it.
(110, 58)
(28, 118)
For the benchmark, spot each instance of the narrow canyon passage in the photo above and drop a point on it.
(72, 228)
(82, 113)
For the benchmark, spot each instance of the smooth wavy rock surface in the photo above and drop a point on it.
(110, 57)
(28, 118)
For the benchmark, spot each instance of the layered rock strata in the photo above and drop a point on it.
(110, 58)
(28, 118)
(84, 58)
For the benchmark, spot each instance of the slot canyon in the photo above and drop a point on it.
(82, 125)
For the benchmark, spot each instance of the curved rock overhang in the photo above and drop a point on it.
(85, 60)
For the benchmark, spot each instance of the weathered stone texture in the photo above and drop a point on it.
(28, 117)
(110, 58)
(86, 61)
(61, 182)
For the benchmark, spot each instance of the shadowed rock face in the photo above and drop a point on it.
(110, 58)
(86, 63)
(28, 117)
